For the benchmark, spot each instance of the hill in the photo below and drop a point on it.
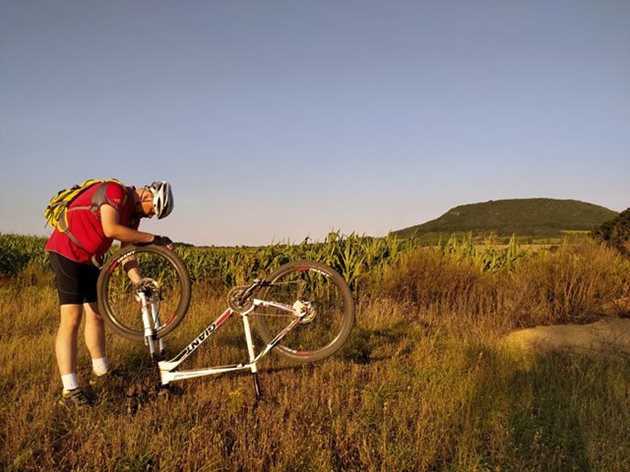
(531, 217)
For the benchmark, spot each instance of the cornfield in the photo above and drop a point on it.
(353, 256)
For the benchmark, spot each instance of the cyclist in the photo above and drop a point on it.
(100, 214)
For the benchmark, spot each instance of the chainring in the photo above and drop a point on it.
(235, 299)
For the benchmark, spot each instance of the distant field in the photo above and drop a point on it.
(422, 385)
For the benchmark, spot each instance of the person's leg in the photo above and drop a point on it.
(67, 279)
(95, 338)
(66, 344)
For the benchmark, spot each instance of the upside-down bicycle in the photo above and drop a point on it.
(303, 310)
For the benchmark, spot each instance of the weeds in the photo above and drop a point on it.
(421, 385)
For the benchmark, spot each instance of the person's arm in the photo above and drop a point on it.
(130, 266)
(113, 229)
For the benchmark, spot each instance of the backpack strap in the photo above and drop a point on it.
(98, 198)
(63, 226)
(63, 220)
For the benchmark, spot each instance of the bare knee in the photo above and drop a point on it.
(70, 318)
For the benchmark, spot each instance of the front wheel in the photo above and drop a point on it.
(324, 301)
(167, 285)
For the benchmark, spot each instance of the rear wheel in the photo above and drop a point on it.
(167, 278)
(321, 295)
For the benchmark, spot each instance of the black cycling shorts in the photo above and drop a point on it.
(76, 283)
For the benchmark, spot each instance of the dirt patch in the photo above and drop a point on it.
(603, 336)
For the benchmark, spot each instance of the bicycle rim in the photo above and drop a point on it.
(328, 305)
(118, 303)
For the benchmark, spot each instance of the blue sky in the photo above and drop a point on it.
(277, 120)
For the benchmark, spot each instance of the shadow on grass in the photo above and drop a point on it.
(543, 418)
(531, 419)
(368, 345)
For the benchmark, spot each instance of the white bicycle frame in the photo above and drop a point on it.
(168, 372)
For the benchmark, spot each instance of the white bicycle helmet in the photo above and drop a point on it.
(162, 198)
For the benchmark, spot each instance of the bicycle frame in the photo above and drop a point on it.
(168, 372)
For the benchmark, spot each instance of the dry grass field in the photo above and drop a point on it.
(422, 385)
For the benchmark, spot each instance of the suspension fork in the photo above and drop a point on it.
(151, 323)
(156, 320)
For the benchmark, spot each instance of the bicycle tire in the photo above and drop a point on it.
(332, 315)
(116, 294)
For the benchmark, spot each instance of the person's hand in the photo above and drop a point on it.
(163, 241)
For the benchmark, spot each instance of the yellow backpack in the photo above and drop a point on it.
(57, 208)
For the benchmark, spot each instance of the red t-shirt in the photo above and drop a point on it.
(86, 227)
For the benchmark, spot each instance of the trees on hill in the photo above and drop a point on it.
(617, 232)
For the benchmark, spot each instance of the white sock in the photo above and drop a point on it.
(69, 381)
(100, 366)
